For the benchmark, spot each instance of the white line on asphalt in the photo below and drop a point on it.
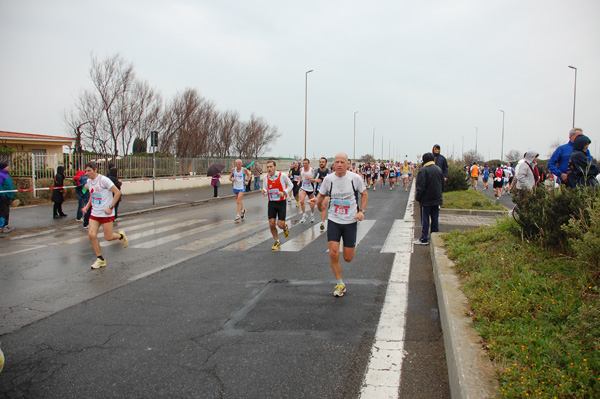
(382, 379)
(22, 250)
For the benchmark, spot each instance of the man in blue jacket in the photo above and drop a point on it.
(6, 184)
(559, 161)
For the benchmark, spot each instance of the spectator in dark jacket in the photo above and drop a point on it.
(112, 175)
(558, 163)
(6, 184)
(440, 161)
(57, 194)
(582, 171)
(430, 186)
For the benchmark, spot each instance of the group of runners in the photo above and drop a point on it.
(334, 192)
(393, 173)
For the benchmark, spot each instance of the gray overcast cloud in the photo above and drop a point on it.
(420, 73)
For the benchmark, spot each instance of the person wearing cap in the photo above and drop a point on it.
(430, 186)
(440, 161)
(6, 184)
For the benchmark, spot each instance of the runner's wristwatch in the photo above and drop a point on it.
(364, 211)
(110, 207)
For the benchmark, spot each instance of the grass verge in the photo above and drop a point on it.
(540, 331)
(469, 199)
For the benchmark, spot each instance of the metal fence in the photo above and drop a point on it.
(35, 166)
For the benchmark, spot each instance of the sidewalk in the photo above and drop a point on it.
(40, 216)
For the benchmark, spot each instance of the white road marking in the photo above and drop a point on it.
(225, 235)
(23, 250)
(173, 237)
(382, 379)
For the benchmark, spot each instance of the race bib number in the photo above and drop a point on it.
(341, 207)
(296, 178)
(96, 200)
(274, 195)
(306, 184)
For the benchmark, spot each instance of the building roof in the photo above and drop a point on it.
(32, 137)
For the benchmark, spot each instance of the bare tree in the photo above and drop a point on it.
(471, 156)
(107, 118)
(553, 146)
(513, 156)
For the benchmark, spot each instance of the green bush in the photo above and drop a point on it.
(543, 212)
(457, 178)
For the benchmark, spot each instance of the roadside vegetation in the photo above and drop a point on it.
(469, 199)
(533, 293)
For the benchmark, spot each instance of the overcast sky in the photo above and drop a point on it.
(419, 72)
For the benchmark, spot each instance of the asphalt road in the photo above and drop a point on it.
(198, 306)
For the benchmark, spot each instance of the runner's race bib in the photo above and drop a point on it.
(341, 207)
(96, 200)
(307, 185)
(274, 194)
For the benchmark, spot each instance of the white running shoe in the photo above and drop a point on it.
(304, 218)
(312, 218)
(99, 263)
(322, 226)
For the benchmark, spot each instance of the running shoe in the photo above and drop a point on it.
(99, 263)
(304, 218)
(340, 289)
(276, 246)
(6, 229)
(286, 232)
(289, 200)
(124, 239)
(237, 218)
(79, 220)
(418, 241)
(322, 226)
(312, 218)
(374, 189)
(243, 215)
(297, 204)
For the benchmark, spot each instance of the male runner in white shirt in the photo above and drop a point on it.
(342, 187)
(103, 197)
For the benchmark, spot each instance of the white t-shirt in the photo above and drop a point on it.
(305, 183)
(101, 196)
(343, 196)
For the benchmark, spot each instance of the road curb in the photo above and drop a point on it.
(470, 371)
(473, 212)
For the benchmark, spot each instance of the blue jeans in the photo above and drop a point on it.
(257, 182)
(429, 213)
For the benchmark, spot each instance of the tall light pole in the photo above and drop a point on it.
(502, 148)
(354, 153)
(305, 106)
(381, 147)
(374, 142)
(574, 93)
(476, 133)
(463, 147)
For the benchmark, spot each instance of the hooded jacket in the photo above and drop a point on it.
(559, 161)
(440, 161)
(525, 173)
(430, 183)
(582, 171)
(6, 184)
(59, 181)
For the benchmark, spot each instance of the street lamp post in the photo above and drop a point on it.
(502, 148)
(305, 106)
(476, 134)
(354, 152)
(374, 142)
(574, 93)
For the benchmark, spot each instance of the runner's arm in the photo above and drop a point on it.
(364, 199)
(287, 184)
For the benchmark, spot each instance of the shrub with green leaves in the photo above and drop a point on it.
(457, 178)
(542, 213)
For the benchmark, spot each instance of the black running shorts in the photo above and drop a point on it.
(347, 232)
(276, 209)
